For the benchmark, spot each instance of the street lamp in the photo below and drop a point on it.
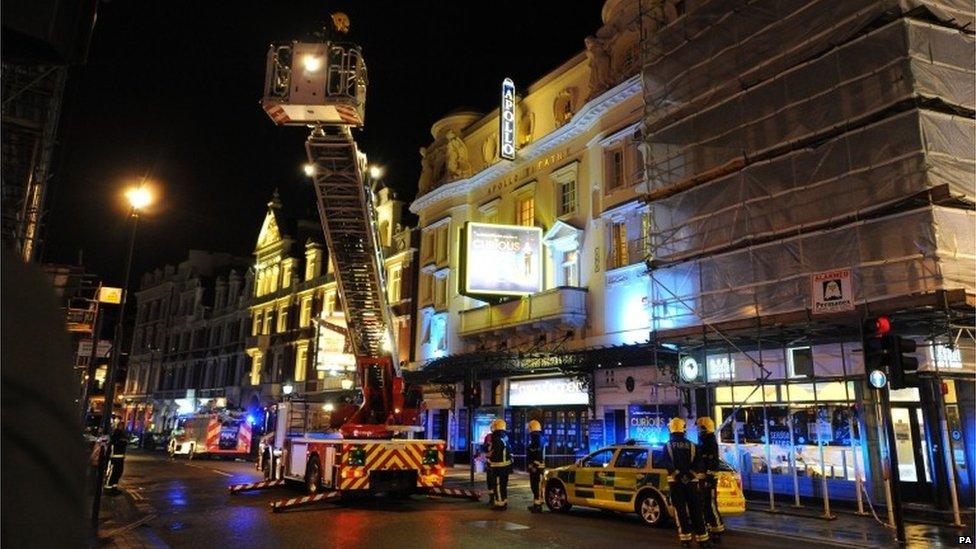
(376, 171)
(287, 389)
(138, 197)
(309, 169)
(346, 383)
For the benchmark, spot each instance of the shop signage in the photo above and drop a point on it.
(649, 423)
(832, 291)
(546, 392)
(507, 117)
(595, 434)
(688, 368)
(779, 436)
(501, 260)
(108, 294)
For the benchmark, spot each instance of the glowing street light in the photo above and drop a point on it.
(376, 171)
(309, 169)
(346, 384)
(139, 197)
(328, 406)
(287, 388)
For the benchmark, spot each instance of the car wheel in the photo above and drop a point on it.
(651, 509)
(313, 475)
(556, 497)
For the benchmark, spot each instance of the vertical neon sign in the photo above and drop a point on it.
(507, 119)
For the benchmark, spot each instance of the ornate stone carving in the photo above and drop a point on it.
(457, 157)
(526, 128)
(599, 61)
(426, 170)
(489, 148)
(564, 106)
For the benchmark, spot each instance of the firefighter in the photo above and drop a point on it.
(116, 447)
(535, 457)
(499, 463)
(683, 486)
(707, 477)
(489, 480)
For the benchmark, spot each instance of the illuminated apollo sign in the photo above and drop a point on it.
(507, 116)
(501, 260)
(545, 392)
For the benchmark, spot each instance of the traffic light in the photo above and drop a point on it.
(876, 361)
(885, 357)
(901, 369)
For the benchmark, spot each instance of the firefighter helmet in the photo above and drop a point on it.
(706, 424)
(341, 22)
(676, 425)
(534, 426)
(499, 425)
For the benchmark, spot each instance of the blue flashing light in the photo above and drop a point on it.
(251, 420)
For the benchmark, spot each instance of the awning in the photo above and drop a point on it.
(498, 364)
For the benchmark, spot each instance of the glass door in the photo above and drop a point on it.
(911, 447)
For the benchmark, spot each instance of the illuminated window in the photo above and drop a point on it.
(282, 318)
(427, 247)
(525, 211)
(441, 241)
(330, 303)
(395, 275)
(618, 245)
(301, 357)
(567, 197)
(313, 263)
(268, 318)
(256, 369)
(426, 288)
(305, 318)
(571, 269)
(614, 167)
(799, 362)
(440, 292)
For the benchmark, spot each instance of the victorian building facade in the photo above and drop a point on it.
(296, 328)
(577, 176)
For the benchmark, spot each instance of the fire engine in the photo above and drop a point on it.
(369, 449)
(211, 434)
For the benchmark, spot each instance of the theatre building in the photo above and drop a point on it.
(527, 263)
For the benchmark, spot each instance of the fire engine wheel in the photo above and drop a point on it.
(313, 475)
(556, 498)
(651, 509)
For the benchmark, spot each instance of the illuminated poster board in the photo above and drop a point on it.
(507, 119)
(501, 260)
(546, 392)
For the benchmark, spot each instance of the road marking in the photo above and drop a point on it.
(218, 471)
(127, 527)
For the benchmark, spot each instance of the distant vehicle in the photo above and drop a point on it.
(211, 434)
(630, 478)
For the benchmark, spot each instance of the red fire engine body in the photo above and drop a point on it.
(211, 434)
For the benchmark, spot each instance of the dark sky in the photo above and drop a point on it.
(171, 90)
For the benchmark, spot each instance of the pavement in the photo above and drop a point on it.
(179, 503)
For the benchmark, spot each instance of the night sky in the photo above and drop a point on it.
(171, 91)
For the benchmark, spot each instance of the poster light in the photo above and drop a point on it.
(546, 392)
(501, 260)
(507, 118)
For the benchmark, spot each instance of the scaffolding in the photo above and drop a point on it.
(780, 141)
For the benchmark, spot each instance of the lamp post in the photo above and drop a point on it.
(139, 198)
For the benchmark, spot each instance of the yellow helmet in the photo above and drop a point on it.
(341, 21)
(706, 424)
(534, 426)
(676, 425)
(499, 425)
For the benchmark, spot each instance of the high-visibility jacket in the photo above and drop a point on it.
(117, 443)
(498, 455)
(681, 457)
(707, 453)
(535, 453)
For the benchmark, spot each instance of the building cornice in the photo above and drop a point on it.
(581, 122)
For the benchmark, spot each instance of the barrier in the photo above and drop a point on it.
(283, 504)
(237, 488)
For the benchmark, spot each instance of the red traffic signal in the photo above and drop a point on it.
(882, 326)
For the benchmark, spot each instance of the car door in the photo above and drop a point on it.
(591, 476)
(629, 467)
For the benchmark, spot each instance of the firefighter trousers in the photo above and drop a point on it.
(535, 480)
(490, 480)
(115, 466)
(500, 488)
(713, 518)
(687, 510)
